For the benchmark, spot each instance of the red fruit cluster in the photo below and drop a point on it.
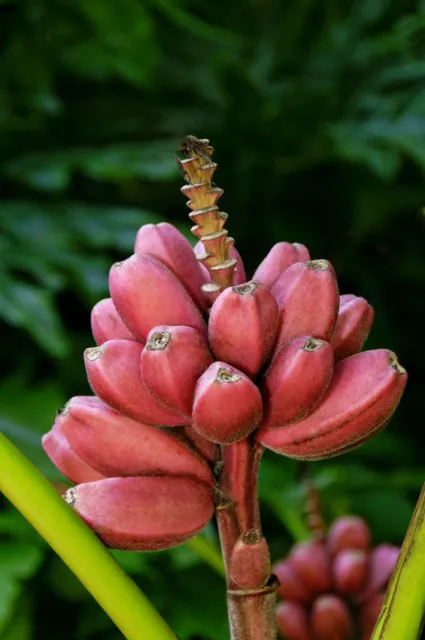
(333, 588)
(264, 356)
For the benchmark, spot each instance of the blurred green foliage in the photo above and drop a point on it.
(317, 111)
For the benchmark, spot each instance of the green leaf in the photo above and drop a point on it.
(44, 172)
(205, 593)
(18, 562)
(387, 513)
(10, 590)
(115, 163)
(31, 308)
(26, 421)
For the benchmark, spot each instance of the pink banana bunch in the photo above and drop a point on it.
(334, 588)
(191, 355)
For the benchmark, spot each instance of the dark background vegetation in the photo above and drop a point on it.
(317, 112)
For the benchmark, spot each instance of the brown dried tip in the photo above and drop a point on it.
(197, 168)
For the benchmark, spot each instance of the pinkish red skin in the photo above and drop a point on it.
(303, 254)
(383, 559)
(350, 571)
(308, 300)
(167, 244)
(116, 445)
(113, 371)
(237, 480)
(330, 619)
(208, 449)
(250, 561)
(348, 532)
(364, 393)
(295, 381)
(106, 324)
(369, 612)
(171, 363)
(64, 457)
(312, 564)
(144, 513)
(291, 587)
(292, 621)
(146, 293)
(355, 319)
(242, 326)
(227, 405)
(239, 275)
(281, 256)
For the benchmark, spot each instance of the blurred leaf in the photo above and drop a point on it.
(387, 512)
(197, 27)
(121, 42)
(12, 522)
(53, 171)
(134, 562)
(58, 246)
(9, 592)
(276, 489)
(18, 562)
(32, 308)
(20, 628)
(198, 606)
(27, 413)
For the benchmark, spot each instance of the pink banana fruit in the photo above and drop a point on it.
(250, 561)
(308, 300)
(207, 448)
(281, 256)
(348, 532)
(239, 276)
(296, 380)
(350, 571)
(355, 319)
(64, 457)
(361, 398)
(291, 587)
(369, 613)
(242, 326)
(330, 619)
(167, 244)
(227, 405)
(312, 564)
(146, 293)
(292, 621)
(113, 371)
(143, 513)
(171, 363)
(106, 324)
(116, 445)
(383, 559)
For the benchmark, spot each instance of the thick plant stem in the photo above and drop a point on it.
(251, 611)
(239, 480)
(227, 528)
(403, 612)
(79, 548)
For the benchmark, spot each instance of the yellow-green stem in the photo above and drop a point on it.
(79, 548)
(402, 615)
